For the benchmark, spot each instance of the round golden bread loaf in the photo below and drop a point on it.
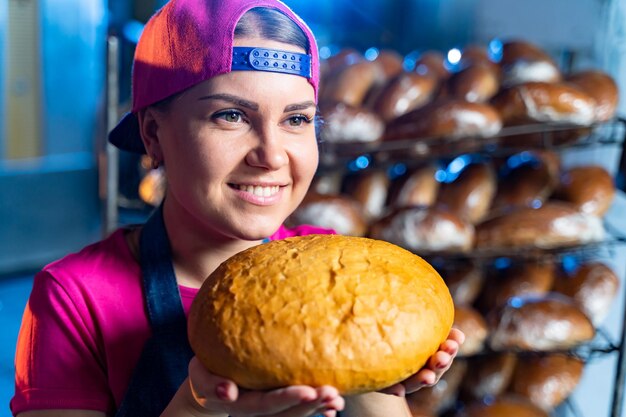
(355, 313)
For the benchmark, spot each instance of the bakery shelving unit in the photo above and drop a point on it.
(349, 157)
(342, 157)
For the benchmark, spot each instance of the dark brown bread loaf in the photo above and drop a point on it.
(555, 224)
(593, 286)
(539, 324)
(601, 87)
(546, 380)
(590, 188)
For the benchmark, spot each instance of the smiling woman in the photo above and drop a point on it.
(224, 97)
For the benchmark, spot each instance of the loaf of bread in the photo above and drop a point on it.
(368, 187)
(464, 280)
(475, 83)
(516, 280)
(555, 224)
(445, 118)
(354, 313)
(424, 230)
(345, 123)
(405, 92)
(488, 375)
(473, 324)
(351, 84)
(546, 380)
(470, 195)
(527, 181)
(523, 62)
(478, 55)
(341, 213)
(390, 61)
(432, 63)
(545, 102)
(601, 87)
(418, 188)
(593, 286)
(590, 188)
(539, 324)
(504, 406)
(328, 182)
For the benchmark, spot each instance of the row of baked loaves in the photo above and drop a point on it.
(526, 204)
(523, 314)
(368, 101)
(500, 385)
(529, 306)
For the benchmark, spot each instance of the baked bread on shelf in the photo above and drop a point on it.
(546, 323)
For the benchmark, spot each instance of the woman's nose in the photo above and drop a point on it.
(268, 151)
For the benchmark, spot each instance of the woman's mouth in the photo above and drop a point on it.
(257, 190)
(260, 195)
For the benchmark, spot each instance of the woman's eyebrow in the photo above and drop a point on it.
(232, 99)
(299, 106)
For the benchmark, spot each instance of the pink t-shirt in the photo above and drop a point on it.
(84, 328)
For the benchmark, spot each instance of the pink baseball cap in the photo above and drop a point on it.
(189, 41)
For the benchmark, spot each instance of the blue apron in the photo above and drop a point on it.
(163, 364)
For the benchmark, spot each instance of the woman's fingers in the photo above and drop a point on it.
(290, 401)
(457, 335)
(327, 404)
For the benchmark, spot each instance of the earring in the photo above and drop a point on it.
(155, 163)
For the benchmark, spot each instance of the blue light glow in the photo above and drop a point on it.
(502, 263)
(516, 302)
(325, 52)
(410, 60)
(570, 264)
(359, 163)
(520, 159)
(457, 166)
(371, 54)
(396, 170)
(440, 175)
(454, 56)
(362, 162)
(132, 31)
(495, 50)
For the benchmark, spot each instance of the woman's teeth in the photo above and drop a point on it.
(258, 190)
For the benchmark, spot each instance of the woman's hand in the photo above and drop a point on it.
(217, 396)
(436, 366)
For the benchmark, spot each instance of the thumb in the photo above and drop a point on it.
(207, 387)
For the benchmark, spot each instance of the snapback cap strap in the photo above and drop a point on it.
(274, 60)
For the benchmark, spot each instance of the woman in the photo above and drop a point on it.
(224, 97)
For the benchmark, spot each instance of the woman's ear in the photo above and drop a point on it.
(149, 124)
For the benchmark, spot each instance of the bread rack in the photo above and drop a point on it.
(408, 153)
(545, 136)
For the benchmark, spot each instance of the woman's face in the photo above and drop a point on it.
(240, 150)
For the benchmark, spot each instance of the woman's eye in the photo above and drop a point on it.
(298, 120)
(230, 116)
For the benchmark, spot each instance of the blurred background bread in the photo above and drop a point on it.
(555, 224)
(592, 285)
(340, 213)
(488, 376)
(538, 324)
(590, 188)
(546, 380)
(424, 230)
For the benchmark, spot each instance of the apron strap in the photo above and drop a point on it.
(163, 364)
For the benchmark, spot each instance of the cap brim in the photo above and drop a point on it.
(126, 135)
